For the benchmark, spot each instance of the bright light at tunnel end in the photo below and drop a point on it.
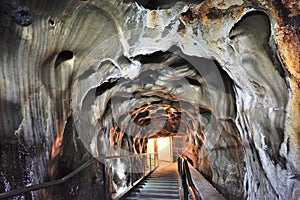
(85, 121)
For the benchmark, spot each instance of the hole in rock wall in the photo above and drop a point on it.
(51, 22)
(105, 86)
(63, 56)
(57, 71)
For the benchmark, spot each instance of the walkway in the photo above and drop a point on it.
(161, 184)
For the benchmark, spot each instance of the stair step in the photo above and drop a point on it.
(163, 177)
(155, 195)
(161, 184)
(160, 181)
(149, 198)
(147, 190)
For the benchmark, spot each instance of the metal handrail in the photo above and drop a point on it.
(152, 163)
(186, 179)
(136, 183)
(124, 156)
(46, 184)
(43, 185)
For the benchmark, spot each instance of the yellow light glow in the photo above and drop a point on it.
(150, 146)
(163, 143)
(164, 149)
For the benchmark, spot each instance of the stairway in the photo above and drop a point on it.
(161, 184)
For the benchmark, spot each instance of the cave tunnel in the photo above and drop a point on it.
(99, 97)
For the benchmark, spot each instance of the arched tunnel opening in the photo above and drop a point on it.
(212, 81)
(188, 98)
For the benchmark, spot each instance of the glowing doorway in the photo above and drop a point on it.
(163, 146)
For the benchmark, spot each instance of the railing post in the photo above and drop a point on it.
(183, 176)
(179, 166)
(130, 169)
(104, 180)
(150, 162)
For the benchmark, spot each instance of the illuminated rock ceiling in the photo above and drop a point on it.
(104, 76)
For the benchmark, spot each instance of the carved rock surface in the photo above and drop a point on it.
(95, 78)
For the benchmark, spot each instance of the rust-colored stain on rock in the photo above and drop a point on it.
(154, 19)
(195, 13)
(293, 7)
(287, 16)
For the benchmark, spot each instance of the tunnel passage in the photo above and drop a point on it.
(173, 95)
(251, 48)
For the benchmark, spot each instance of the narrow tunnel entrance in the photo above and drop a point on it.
(186, 98)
